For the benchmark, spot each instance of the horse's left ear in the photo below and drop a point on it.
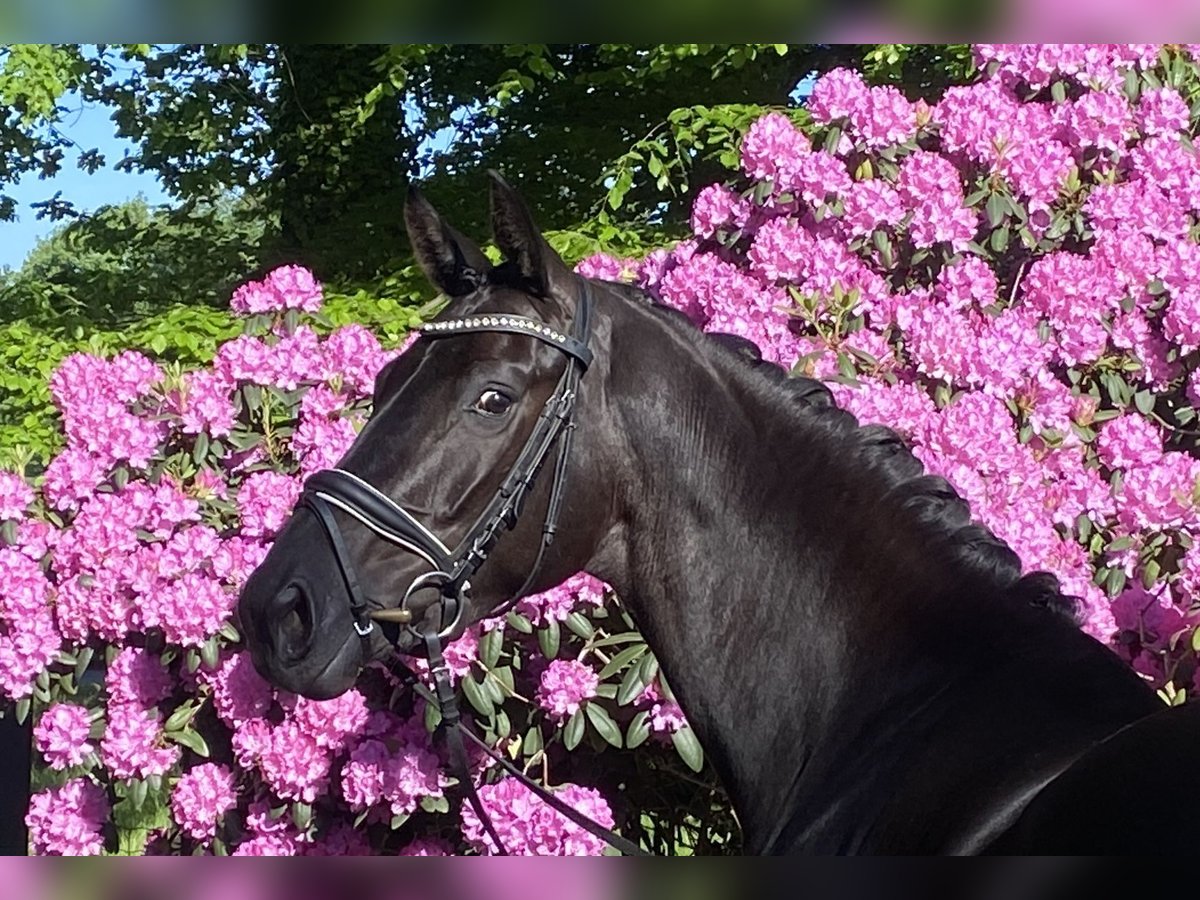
(522, 243)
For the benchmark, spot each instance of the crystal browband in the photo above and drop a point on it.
(512, 325)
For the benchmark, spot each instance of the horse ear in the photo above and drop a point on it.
(522, 243)
(452, 262)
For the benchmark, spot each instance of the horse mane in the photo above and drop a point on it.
(935, 505)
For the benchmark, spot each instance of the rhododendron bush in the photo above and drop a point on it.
(1009, 277)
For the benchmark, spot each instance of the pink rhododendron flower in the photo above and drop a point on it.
(527, 826)
(201, 797)
(564, 685)
(61, 735)
(66, 820)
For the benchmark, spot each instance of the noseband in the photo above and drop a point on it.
(450, 570)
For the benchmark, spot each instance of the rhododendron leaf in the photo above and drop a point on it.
(689, 749)
(648, 668)
(191, 660)
(435, 804)
(573, 732)
(623, 637)
(200, 448)
(579, 624)
(997, 209)
(532, 743)
(476, 696)
(622, 659)
(503, 726)
(182, 715)
(631, 686)
(398, 821)
(1150, 572)
(302, 815)
(1058, 91)
(832, 137)
(504, 674)
(603, 723)
(491, 686)
(638, 730)
(21, 710)
(229, 631)
(210, 652)
(607, 691)
(549, 638)
(490, 645)
(432, 717)
(191, 739)
(999, 238)
(83, 660)
(1144, 401)
(519, 622)
(136, 792)
(1116, 582)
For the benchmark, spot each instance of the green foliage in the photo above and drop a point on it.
(661, 165)
(132, 260)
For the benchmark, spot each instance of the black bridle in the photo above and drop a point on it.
(451, 570)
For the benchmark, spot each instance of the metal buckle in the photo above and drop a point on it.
(440, 579)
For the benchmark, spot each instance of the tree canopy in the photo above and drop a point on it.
(317, 144)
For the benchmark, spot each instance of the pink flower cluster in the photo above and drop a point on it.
(1001, 375)
(288, 287)
(564, 685)
(62, 735)
(528, 826)
(66, 820)
(201, 797)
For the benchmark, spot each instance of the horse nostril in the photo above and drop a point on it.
(293, 631)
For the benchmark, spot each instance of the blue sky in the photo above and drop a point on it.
(89, 126)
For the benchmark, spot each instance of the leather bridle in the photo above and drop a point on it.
(451, 569)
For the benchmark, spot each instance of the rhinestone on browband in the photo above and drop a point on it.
(478, 322)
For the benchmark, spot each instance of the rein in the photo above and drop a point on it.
(451, 569)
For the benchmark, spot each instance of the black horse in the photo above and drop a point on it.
(866, 668)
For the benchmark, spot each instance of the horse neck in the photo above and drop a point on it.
(796, 624)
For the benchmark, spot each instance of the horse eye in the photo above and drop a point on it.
(493, 403)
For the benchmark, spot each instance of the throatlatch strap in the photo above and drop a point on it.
(447, 702)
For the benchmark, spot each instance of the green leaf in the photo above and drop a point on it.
(603, 723)
(997, 209)
(631, 686)
(580, 625)
(549, 638)
(200, 449)
(210, 652)
(519, 623)
(476, 696)
(622, 659)
(573, 733)
(1144, 401)
(190, 739)
(532, 743)
(638, 730)
(435, 804)
(302, 815)
(433, 717)
(689, 749)
(137, 791)
(181, 716)
(1150, 572)
(490, 645)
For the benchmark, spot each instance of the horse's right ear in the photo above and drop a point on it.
(453, 263)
